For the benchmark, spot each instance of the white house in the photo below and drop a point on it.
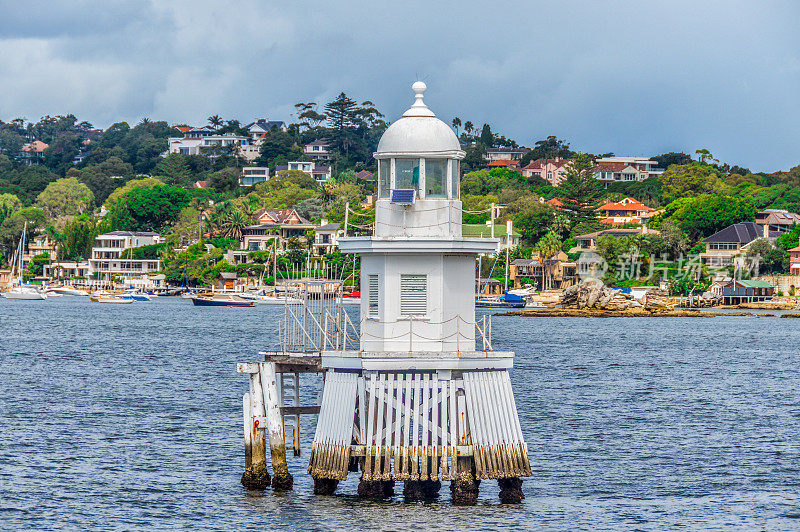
(252, 175)
(318, 150)
(319, 172)
(610, 169)
(198, 141)
(108, 257)
(262, 125)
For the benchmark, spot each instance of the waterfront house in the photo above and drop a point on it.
(611, 169)
(278, 224)
(724, 245)
(108, 256)
(624, 211)
(499, 154)
(557, 272)
(318, 150)
(326, 238)
(66, 270)
(5, 279)
(734, 292)
(776, 221)
(552, 170)
(37, 245)
(252, 175)
(794, 260)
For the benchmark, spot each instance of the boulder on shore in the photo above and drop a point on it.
(593, 293)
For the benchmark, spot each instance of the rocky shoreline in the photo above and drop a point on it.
(634, 313)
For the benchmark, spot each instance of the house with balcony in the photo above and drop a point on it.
(616, 169)
(37, 245)
(278, 225)
(723, 247)
(318, 150)
(319, 172)
(551, 170)
(66, 270)
(624, 211)
(33, 152)
(498, 154)
(556, 272)
(326, 238)
(205, 141)
(252, 175)
(108, 257)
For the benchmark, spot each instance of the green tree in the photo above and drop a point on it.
(545, 249)
(144, 183)
(152, 209)
(11, 228)
(705, 215)
(487, 137)
(233, 224)
(276, 144)
(215, 121)
(173, 169)
(78, 239)
(550, 148)
(65, 197)
(691, 180)
(225, 180)
(580, 191)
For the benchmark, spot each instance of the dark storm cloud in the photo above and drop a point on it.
(634, 78)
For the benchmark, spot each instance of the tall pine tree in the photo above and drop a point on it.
(580, 191)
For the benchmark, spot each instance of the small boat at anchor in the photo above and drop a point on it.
(507, 300)
(17, 289)
(109, 298)
(221, 301)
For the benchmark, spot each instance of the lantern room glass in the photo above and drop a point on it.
(384, 177)
(435, 181)
(406, 174)
(455, 178)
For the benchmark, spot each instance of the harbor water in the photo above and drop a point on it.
(129, 417)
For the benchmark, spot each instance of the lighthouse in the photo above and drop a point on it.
(424, 399)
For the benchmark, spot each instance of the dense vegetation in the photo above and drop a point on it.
(123, 182)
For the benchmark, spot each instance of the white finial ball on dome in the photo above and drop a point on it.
(419, 88)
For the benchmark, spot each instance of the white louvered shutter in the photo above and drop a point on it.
(413, 295)
(372, 295)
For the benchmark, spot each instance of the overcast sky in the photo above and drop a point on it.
(630, 77)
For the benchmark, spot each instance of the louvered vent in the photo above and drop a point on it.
(373, 296)
(413, 295)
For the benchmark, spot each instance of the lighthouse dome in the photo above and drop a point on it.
(419, 132)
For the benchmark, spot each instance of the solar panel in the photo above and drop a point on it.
(403, 196)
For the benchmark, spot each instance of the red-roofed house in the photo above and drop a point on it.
(625, 211)
(279, 224)
(184, 129)
(552, 170)
(201, 184)
(504, 163)
(556, 203)
(33, 151)
(794, 260)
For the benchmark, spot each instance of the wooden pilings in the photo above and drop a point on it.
(281, 480)
(256, 476)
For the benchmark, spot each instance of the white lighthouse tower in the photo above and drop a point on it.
(419, 402)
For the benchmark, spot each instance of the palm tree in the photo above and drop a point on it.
(233, 224)
(215, 121)
(456, 124)
(468, 127)
(545, 249)
(144, 121)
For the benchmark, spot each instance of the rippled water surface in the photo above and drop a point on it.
(129, 417)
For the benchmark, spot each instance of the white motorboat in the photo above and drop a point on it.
(64, 291)
(17, 289)
(263, 299)
(109, 298)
